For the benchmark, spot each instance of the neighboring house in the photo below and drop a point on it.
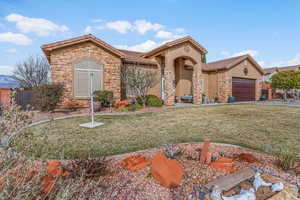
(178, 63)
(5, 96)
(269, 72)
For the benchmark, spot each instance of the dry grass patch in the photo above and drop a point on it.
(266, 128)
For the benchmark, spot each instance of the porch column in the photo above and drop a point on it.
(169, 81)
(197, 83)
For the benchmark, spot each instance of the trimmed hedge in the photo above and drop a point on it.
(47, 97)
(103, 96)
(152, 101)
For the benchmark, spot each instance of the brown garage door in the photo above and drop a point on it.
(243, 89)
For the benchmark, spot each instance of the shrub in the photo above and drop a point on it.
(151, 100)
(123, 103)
(14, 118)
(131, 108)
(288, 161)
(72, 105)
(47, 97)
(89, 168)
(104, 96)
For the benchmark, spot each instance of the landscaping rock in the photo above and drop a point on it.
(135, 162)
(54, 170)
(223, 165)
(167, 172)
(246, 157)
(205, 155)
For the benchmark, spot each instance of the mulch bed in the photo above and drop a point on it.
(124, 184)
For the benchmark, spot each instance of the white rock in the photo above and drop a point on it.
(258, 181)
(277, 187)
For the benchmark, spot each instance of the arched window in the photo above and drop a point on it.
(82, 82)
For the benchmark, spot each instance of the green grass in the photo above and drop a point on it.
(265, 128)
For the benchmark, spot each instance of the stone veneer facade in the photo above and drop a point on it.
(213, 83)
(62, 68)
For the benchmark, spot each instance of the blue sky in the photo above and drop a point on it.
(269, 29)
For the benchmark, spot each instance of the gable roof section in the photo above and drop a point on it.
(47, 48)
(136, 57)
(280, 69)
(270, 70)
(230, 63)
(176, 42)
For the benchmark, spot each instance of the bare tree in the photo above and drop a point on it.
(32, 72)
(138, 80)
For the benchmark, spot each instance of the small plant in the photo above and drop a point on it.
(72, 105)
(288, 161)
(47, 97)
(172, 151)
(104, 96)
(152, 101)
(14, 118)
(89, 167)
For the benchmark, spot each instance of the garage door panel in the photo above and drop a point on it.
(243, 89)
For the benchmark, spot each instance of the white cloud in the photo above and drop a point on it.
(88, 30)
(143, 47)
(180, 30)
(293, 61)
(15, 38)
(40, 26)
(248, 51)
(6, 70)
(143, 26)
(167, 35)
(262, 63)
(119, 26)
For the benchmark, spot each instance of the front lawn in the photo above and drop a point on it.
(266, 128)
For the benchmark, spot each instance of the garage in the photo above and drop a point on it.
(243, 89)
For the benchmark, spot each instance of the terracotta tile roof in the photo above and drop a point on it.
(280, 69)
(47, 48)
(287, 68)
(175, 42)
(229, 63)
(270, 70)
(136, 57)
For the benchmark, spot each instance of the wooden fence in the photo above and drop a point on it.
(24, 98)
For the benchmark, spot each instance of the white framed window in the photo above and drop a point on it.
(82, 83)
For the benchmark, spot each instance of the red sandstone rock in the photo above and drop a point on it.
(54, 170)
(204, 157)
(134, 162)
(167, 172)
(223, 165)
(246, 157)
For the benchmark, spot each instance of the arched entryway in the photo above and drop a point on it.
(184, 69)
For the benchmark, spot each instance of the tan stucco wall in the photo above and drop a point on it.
(188, 51)
(220, 83)
(183, 78)
(62, 68)
(253, 73)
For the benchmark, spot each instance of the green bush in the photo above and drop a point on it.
(47, 97)
(103, 96)
(154, 101)
(130, 108)
(151, 100)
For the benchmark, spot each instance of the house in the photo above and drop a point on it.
(179, 63)
(269, 72)
(5, 96)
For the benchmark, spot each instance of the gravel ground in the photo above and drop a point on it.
(140, 185)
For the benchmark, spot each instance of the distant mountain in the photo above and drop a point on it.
(7, 82)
